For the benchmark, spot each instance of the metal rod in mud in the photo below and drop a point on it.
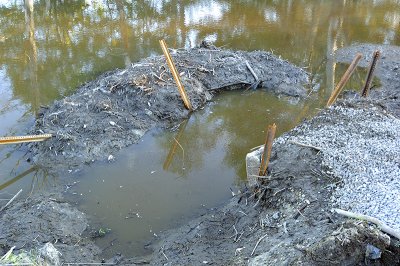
(267, 149)
(22, 139)
(370, 74)
(346, 76)
(175, 74)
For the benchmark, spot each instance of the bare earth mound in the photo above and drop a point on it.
(117, 109)
(348, 158)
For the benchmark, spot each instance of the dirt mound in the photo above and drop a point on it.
(29, 224)
(117, 109)
(285, 220)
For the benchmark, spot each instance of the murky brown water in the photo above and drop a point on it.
(50, 47)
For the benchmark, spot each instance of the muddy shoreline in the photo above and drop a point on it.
(292, 211)
(119, 107)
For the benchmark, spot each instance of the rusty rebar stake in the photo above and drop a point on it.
(370, 74)
(346, 76)
(175, 74)
(267, 149)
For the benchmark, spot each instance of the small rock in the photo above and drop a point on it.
(50, 254)
(372, 252)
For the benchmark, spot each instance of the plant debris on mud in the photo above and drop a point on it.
(116, 109)
(286, 219)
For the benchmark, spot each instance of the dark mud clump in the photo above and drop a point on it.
(30, 224)
(116, 109)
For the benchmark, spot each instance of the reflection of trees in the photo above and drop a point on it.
(195, 140)
(74, 41)
(238, 122)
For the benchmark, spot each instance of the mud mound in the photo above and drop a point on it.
(116, 109)
(29, 224)
(287, 219)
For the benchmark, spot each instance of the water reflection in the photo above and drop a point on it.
(168, 177)
(68, 42)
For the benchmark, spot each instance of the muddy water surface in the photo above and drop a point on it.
(48, 48)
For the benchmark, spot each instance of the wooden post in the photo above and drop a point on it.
(175, 74)
(267, 149)
(346, 76)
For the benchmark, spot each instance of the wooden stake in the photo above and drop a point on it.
(370, 74)
(22, 139)
(346, 76)
(175, 74)
(267, 149)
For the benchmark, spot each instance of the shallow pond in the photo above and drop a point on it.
(48, 48)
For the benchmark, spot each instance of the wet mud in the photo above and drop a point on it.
(119, 107)
(285, 220)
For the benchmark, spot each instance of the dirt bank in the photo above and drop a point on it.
(285, 220)
(292, 210)
(118, 108)
(27, 225)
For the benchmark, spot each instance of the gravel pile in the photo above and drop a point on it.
(362, 148)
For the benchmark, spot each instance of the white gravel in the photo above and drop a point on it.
(362, 149)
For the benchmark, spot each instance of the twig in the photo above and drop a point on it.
(252, 71)
(162, 252)
(382, 226)
(305, 145)
(11, 200)
(256, 148)
(258, 242)
(236, 233)
(5, 257)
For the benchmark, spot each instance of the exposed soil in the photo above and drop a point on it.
(286, 220)
(290, 215)
(118, 108)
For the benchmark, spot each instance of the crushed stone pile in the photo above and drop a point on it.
(362, 148)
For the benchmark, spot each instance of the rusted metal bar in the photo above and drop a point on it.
(22, 139)
(346, 76)
(175, 74)
(370, 74)
(267, 149)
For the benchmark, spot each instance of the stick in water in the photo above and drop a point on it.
(346, 76)
(11, 200)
